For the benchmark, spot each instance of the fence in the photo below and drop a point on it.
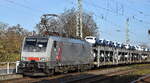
(8, 68)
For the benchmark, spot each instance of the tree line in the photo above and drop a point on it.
(10, 41)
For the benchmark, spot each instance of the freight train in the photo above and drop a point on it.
(50, 54)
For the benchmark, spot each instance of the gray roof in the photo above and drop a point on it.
(63, 39)
(71, 40)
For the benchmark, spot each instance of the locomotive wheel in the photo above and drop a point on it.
(82, 68)
(50, 72)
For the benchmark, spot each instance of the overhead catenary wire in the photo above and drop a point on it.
(114, 24)
(108, 21)
(114, 12)
(100, 7)
(137, 19)
(134, 17)
(139, 11)
(16, 10)
(24, 6)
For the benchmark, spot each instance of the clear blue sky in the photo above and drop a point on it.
(110, 15)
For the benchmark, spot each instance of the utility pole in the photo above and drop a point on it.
(79, 32)
(127, 31)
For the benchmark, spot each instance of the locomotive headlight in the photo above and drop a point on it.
(23, 58)
(43, 59)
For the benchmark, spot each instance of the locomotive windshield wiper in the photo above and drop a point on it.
(35, 44)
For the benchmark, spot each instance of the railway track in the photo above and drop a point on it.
(92, 76)
(104, 78)
(98, 78)
(144, 79)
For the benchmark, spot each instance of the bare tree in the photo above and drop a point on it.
(65, 25)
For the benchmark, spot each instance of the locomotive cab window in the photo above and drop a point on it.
(35, 44)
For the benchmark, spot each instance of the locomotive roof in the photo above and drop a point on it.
(63, 39)
(67, 39)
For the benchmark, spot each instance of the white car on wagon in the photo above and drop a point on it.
(90, 39)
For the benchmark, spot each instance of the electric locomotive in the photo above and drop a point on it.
(50, 54)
